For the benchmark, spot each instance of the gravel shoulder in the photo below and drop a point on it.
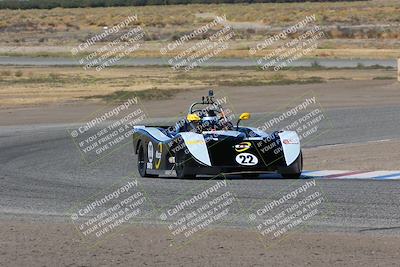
(49, 244)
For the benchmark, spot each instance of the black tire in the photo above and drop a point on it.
(182, 171)
(142, 163)
(293, 171)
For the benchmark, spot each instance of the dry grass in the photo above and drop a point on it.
(68, 27)
(152, 51)
(32, 85)
(354, 13)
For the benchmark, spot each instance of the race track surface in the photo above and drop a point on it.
(42, 173)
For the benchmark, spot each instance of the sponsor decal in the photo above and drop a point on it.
(290, 141)
(243, 146)
(158, 156)
(195, 142)
(170, 172)
(150, 155)
(246, 159)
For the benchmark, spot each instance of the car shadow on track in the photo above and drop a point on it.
(269, 176)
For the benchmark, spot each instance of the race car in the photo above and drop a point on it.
(207, 142)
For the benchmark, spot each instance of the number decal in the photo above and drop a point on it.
(246, 159)
(150, 155)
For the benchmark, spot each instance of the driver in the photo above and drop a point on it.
(210, 121)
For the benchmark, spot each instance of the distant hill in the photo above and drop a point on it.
(48, 4)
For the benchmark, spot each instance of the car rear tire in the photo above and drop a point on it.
(293, 171)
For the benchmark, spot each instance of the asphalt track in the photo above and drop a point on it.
(42, 175)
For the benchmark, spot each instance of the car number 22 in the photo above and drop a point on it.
(246, 159)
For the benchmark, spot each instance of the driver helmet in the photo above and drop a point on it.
(210, 116)
(210, 119)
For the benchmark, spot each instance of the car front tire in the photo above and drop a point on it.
(182, 171)
(293, 171)
(142, 163)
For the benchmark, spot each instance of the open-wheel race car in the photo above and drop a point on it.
(207, 142)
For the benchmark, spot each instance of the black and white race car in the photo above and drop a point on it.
(208, 143)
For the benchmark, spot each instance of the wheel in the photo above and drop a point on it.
(293, 171)
(181, 168)
(181, 171)
(142, 163)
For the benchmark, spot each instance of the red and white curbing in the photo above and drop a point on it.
(343, 174)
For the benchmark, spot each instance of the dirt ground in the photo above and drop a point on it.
(49, 244)
(367, 29)
(36, 86)
(333, 94)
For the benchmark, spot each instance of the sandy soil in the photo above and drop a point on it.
(29, 86)
(49, 244)
(357, 29)
(334, 94)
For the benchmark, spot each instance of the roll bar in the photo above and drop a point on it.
(208, 100)
(205, 100)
